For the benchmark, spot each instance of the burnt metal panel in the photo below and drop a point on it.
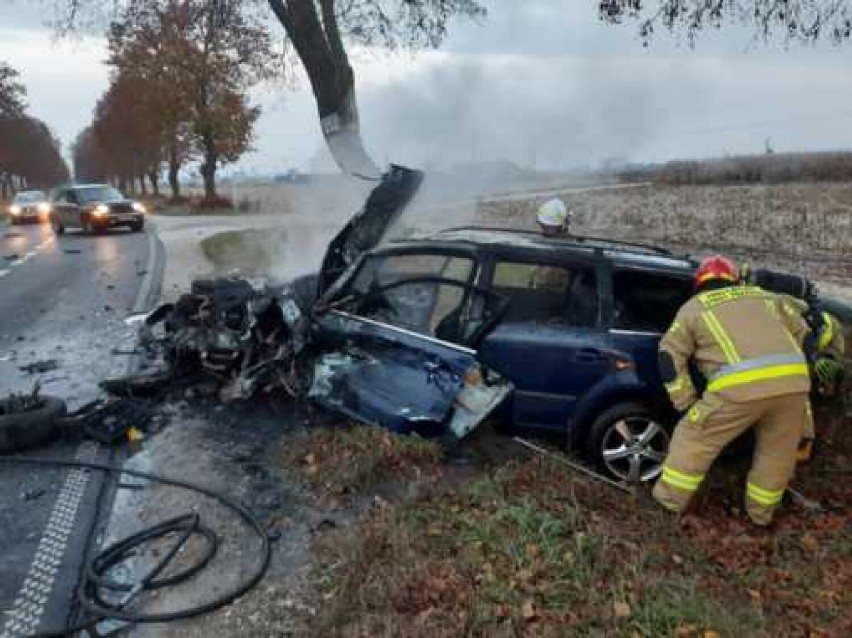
(383, 206)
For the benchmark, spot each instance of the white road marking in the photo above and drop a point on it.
(140, 304)
(25, 615)
(29, 255)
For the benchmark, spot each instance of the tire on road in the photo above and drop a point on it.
(58, 228)
(137, 227)
(30, 428)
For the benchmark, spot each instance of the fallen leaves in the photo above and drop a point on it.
(517, 549)
(810, 543)
(621, 610)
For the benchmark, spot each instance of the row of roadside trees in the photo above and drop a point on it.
(29, 153)
(181, 70)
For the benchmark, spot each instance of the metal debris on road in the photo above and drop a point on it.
(40, 367)
(108, 421)
(803, 501)
(308, 340)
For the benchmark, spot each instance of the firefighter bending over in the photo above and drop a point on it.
(750, 352)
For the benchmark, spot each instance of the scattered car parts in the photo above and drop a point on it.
(28, 421)
(312, 340)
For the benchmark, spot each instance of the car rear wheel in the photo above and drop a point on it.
(56, 225)
(136, 227)
(628, 443)
(86, 225)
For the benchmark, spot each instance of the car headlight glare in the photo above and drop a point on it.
(44, 208)
(139, 208)
(14, 210)
(101, 210)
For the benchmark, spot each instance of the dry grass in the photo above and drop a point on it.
(349, 460)
(529, 549)
(791, 219)
(766, 168)
(800, 226)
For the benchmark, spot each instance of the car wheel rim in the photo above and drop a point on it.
(634, 449)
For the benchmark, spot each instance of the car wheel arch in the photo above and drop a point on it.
(596, 403)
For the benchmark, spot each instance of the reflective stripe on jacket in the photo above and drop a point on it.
(743, 340)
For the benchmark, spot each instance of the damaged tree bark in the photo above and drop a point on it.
(318, 42)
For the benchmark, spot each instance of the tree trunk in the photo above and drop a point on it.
(208, 167)
(154, 177)
(174, 168)
(316, 38)
(143, 188)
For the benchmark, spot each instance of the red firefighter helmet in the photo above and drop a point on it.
(716, 267)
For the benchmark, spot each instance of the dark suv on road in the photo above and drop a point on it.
(94, 208)
(577, 339)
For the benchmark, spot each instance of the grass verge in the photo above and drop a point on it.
(530, 549)
(247, 251)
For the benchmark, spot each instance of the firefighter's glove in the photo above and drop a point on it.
(828, 370)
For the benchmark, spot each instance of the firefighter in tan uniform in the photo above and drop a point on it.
(750, 352)
(827, 355)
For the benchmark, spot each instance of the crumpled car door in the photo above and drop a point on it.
(396, 378)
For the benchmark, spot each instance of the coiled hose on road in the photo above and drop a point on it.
(186, 526)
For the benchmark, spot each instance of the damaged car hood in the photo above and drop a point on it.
(366, 229)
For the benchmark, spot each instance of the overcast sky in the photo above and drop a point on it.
(540, 82)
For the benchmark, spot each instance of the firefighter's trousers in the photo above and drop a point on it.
(712, 423)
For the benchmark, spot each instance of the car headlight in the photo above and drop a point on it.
(14, 210)
(44, 208)
(101, 210)
(139, 208)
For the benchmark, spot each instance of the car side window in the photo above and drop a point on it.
(407, 291)
(61, 197)
(647, 301)
(546, 293)
(382, 270)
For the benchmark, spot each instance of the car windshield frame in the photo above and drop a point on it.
(91, 194)
(29, 197)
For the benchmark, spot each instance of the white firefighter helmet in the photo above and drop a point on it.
(553, 216)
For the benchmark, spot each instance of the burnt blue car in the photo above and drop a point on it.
(572, 323)
(552, 336)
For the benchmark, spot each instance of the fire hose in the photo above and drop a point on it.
(186, 526)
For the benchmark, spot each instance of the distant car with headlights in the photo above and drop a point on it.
(29, 206)
(94, 208)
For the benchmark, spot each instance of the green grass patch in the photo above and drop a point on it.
(246, 251)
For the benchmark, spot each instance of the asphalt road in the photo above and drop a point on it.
(63, 302)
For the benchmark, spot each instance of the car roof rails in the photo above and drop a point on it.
(600, 242)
